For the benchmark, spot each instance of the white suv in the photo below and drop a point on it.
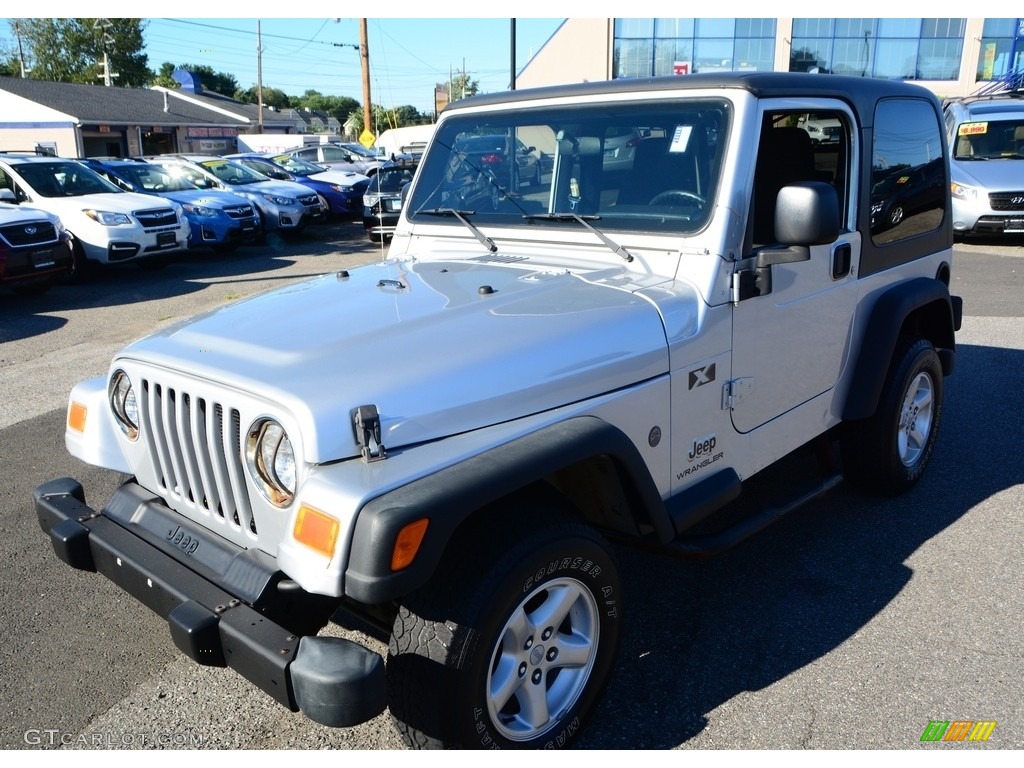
(986, 146)
(106, 223)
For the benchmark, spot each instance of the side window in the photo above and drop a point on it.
(794, 147)
(908, 171)
(335, 155)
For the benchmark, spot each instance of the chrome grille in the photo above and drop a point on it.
(196, 445)
(29, 233)
(239, 211)
(310, 201)
(157, 217)
(1006, 201)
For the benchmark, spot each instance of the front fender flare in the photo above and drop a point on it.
(448, 497)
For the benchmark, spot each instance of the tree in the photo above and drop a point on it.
(462, 86)
(405, 115)
(71, 50)
(353, 122)
(223, 83)
(272, 97)
(338, 107)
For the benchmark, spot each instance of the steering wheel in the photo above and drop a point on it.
(677, 197)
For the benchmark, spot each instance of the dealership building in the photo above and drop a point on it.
(950, 57)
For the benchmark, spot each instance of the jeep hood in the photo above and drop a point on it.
(439, 348)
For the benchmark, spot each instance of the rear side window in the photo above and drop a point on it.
(908, 171)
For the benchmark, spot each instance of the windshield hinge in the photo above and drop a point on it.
(734, 391)
(367, 425)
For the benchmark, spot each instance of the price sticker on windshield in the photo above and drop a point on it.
(972, 129)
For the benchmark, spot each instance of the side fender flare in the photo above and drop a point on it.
(888, 317)
(448, 497)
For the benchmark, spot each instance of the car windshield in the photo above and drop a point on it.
(153, 178)
(297, 165)
(359, 149)
(232, 173)
(66, 179)
(188, 175)
(631, 166)
(990, 140)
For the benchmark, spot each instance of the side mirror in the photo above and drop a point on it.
(7, 196)
(807, 213)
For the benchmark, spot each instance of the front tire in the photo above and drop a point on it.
(513, 649)
(888, 452)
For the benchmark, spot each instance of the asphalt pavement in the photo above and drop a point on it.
(849, 625)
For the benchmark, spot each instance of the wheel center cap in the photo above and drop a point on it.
(537, 654)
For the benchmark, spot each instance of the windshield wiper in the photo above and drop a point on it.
(461, 216)
(617, 249)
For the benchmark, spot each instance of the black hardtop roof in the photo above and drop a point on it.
(860, 92)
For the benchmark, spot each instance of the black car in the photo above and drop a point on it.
(382, 200)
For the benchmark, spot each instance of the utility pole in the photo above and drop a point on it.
(259, 75)
(106, 40)
(21, 53)
(364, 55)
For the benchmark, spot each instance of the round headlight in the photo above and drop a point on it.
(124, 404)
(271, 461)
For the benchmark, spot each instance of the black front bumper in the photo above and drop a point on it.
(331, 680)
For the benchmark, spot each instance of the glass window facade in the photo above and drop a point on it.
(895, 49)
(645, 47)
(997, 55)
(892, 48)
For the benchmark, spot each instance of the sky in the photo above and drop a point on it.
(408, 56)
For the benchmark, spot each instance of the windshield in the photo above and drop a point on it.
(232, 173)
(188, 175)
(297, 165)
(154, 178)
(990, 140)
(64, 179)
(631, 166)
(359, 149)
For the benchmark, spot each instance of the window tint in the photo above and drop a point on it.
(908, 171)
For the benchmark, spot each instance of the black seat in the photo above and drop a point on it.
(657, 169)
(784, 156)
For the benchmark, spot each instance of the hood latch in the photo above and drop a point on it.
(367, 425)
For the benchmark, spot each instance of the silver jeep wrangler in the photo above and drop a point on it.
(590, 345)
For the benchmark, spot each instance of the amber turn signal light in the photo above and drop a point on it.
(317, 530)
(76, 416)
(407, 543)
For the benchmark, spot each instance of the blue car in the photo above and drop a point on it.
(218, 219)
(340, 191)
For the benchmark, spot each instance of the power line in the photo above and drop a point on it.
(279, 37)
